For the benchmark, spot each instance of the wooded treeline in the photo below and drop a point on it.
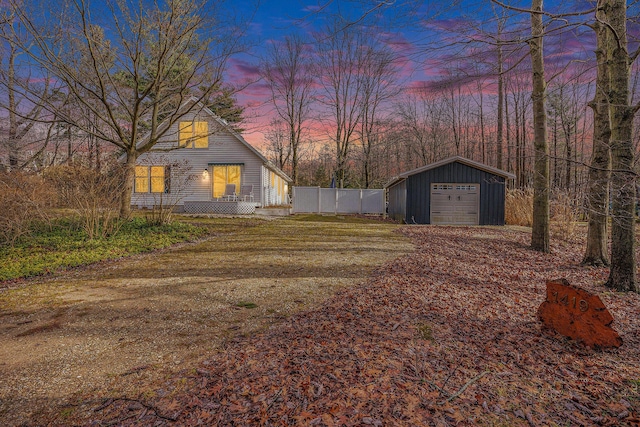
(478, 106)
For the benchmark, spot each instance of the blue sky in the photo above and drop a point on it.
(427, 34)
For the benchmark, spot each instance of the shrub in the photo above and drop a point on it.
(94, 196)
(25, 200)
(164, 203)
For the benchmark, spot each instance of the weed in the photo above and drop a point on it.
(425, 331)
(66, 412)
(518, 207)
(246, 304)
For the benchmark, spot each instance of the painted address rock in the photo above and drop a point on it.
(578, 314)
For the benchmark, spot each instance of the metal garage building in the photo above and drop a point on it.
(452, 191)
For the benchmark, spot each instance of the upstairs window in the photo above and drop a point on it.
(194, 134)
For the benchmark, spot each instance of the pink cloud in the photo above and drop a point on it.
(244, 70)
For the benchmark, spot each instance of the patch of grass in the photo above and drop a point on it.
(246, 304)
(63, 244)
(66, 412)
(425, 331)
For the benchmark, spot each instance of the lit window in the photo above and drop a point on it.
(152, 179)
(223, 175)
(142, 179)
(157, 179)
(194, 134)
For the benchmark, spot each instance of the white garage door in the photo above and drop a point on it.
(455, 204)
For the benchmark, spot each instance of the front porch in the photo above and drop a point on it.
(234, 207)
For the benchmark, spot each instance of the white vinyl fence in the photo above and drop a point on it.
(338, 200)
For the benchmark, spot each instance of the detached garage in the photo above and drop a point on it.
(455, 191)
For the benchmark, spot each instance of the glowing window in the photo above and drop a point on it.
(152, 179)
(194, 134)
(142, 179)
(223, 175)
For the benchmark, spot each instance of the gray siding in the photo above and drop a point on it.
(397, 207)
(224, 147)
(418, 192)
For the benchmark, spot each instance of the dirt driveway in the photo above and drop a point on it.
(112, 328)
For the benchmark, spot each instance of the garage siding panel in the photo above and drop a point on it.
(397, 208)
(492, 191)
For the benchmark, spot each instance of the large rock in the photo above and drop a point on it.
(578, 314)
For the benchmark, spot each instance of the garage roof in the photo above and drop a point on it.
(446, 161)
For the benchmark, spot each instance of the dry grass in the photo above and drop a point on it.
(121, 325)
(564, 216)
(519, 207)
(564, 212)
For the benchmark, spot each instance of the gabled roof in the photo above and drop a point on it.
(224, 125)
(459, 159)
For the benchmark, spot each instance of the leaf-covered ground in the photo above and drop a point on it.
(447, 335)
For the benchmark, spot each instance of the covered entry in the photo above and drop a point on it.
(454, 204)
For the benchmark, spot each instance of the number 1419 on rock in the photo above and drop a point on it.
(578, 314)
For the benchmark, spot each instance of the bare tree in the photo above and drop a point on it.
(540, 226)
(132, 78)
(422, 124)
(278, 143)
(340, 62)
(287, 71)
(622, 275)
(19, 134)
(599, 173)
(379, 86)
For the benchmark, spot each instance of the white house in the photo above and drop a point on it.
(202, 165)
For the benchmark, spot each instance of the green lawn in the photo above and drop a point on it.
(63, 244)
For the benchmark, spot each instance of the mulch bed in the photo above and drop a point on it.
(445, 336)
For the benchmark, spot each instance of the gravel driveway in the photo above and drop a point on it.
(111, 328)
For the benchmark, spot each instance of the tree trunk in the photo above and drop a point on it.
(599, 172)
(622, 276)
(540, 227)
(499, 136)
(127, 185)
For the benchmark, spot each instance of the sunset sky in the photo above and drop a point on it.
(427, 38)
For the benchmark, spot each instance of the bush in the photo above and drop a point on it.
(25, 200)
(94, 196)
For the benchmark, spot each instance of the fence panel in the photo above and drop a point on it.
(334, 200)
(373, 202)
(347, 201)
(306, 199)
(327, 200)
